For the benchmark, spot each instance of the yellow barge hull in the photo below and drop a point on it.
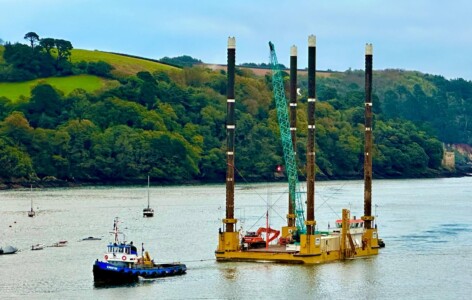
(312, 249)
(277, 254)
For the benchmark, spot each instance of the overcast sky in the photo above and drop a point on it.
(428, 36)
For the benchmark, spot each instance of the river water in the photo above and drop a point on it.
(426, 225)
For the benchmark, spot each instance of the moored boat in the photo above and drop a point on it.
(59, 244)
(91, 238)
(148, 212)
(31, 213)
(123, 264)
(37, 247)
(8, 250)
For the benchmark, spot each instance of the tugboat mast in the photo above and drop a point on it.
(116, 231)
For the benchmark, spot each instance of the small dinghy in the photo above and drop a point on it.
(8, 250)
(59, 244)
(37, 247)
(91, 238)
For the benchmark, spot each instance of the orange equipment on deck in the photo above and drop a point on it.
(255, 240)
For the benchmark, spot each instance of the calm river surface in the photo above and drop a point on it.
(426, 225)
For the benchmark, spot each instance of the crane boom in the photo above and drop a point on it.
(289, 153)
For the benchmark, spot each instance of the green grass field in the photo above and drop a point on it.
(90, 83)
(123, 65)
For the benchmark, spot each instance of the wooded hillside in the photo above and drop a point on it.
(170, 123)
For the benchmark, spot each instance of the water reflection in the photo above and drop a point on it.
(102, 285)
(230, 273)
(420, 239)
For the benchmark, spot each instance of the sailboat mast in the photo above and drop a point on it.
(148, 191)
(31, 189)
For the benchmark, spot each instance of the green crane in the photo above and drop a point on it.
(289, 153)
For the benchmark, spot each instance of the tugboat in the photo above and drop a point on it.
(122, 264)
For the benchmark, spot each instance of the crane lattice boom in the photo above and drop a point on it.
(289, 153)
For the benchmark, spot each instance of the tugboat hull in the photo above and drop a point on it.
(109, 276)
(108, 273)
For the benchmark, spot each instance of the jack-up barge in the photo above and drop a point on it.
(299, 241)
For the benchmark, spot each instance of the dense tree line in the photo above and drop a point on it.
(262, 65)
(181, 61)
(171, 125)
(434, 104)
(44, 57)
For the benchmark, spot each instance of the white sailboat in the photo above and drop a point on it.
(148, 211)
(31, 213)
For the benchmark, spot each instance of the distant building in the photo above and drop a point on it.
(449, 158)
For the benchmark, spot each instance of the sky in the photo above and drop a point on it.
(430, 36)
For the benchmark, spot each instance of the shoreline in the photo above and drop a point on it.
(49, 182)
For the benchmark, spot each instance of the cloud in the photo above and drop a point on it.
(406, 34)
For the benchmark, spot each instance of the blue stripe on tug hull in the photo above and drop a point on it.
(107, 273)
